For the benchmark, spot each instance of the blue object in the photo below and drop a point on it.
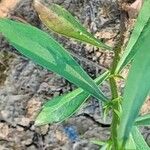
(71, 132)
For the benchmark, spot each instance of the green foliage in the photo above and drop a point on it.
(130, 144)
(137, 85)
(60, 108)
(45, 51)
(61, 21)
(143, 120)
(139, 140)
(140, 27)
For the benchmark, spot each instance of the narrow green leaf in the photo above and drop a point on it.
(130, 145)
(140, 26)
(61, 21)
(98, 142)
(139, 140)
(44, 50)
(62, 107)
(137, 85)
(143, 120)
(105, 147)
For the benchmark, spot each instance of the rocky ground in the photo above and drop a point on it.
(24, 86)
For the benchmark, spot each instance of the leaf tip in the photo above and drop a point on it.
(39, 121)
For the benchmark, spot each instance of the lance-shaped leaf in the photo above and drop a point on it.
(137, 85)
(61, 21)
(139, 140)
(130, 145)
(60, 108)
(143, 120)
(140, 26)
(44, 50)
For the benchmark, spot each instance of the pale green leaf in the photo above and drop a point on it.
(45, 51)
(139, 140)
(140, 26)
(130, 145)
(143, 120)
(98, 142)
(60, 108)
(105, 147)
(137, 85)
(61, 21)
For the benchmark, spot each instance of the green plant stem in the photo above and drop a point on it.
(115, 95)
(113, 83)
(115, 120)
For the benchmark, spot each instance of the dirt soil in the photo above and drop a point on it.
(25, 86)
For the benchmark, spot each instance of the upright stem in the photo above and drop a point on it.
(114, 91)
(113, 84)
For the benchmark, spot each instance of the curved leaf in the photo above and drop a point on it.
(140, 26)
(61, 21)
(139, 140)
(62, 107)
(137, 86)
(44, 50)
(143, 120)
